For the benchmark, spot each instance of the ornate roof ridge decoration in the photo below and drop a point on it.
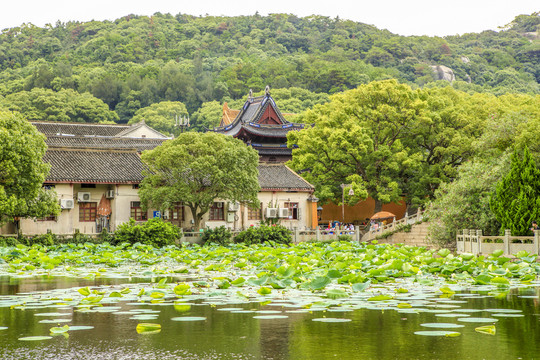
(251, 114)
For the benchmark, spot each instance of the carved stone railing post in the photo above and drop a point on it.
(507, 234)
(479, 241)
(536, 242)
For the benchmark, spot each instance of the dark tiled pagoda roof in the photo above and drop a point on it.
(94, 166)
(139, 144)
(248, 120)
(280, 177)
(78, 129)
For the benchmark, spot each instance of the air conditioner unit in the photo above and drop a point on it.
(83, 196)
(271, 213)
(67, 203)
(283, 213)
(109, 194)
(234, 206)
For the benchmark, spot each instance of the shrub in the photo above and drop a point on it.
(154, 232)
(344, 237)
(264, 233)
(220, 235)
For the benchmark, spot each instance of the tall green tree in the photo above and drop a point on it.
(358, 139)
(22, 171)
(516, 202)
(198, 169)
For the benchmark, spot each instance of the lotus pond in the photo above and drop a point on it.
(308, 301)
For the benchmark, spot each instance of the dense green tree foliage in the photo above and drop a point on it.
(136, 61)
(358, 139)
(65, 105)
(162, 116)
(516, 201)
(22, 171)
(197, 169)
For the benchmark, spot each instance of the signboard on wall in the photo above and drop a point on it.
(157, 214)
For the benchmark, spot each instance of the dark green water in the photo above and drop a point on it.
(372, 334)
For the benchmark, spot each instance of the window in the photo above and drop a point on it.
(88, 186)
(135, 186)
(254, 214)
(177, 212)
(87, 211)
(49, 186)
(216, 211)
(293, 210)
(136, 211)
(47, 218)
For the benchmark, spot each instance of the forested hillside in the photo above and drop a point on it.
(106, 71)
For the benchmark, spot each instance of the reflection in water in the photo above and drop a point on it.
(372, 334)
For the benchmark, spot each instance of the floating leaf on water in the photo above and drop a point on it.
(319, 283)
(3, 327)
(59, 330)
(54, 321)
(477, 320)
(336, 294)
(404, 305)
(144, 317)
(80, 327)
(52, 314)
(486, 329)
(507, 315)
(452, 315)
(380, 298)
(438, 333)
(509, 311)
(263, 290)
(84, 291)
(447, 290)
(182, 289)
(148, 328)
(189, 318)
(442, 325)
(500, 281)
(332, 320)
(35, 338)
(270, 317)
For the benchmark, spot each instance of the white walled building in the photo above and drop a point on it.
(99, 166)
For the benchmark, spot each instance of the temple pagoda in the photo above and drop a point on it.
(260, 125)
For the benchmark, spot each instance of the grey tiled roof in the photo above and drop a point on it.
(280, 177)
(140, 144)
(94, 166)
(78, 129)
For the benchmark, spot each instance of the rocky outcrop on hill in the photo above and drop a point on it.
(443, 73)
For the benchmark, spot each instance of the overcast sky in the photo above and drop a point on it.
(404, 17)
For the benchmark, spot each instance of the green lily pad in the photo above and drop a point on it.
(80, 327)
(148, 328)
(438, 333)
(442, 325)
(270, 317)
(477, 320)
(331, 320)
(189, 318)
(54, 321)
(35, 338)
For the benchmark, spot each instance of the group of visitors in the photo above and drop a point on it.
(337, 226)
